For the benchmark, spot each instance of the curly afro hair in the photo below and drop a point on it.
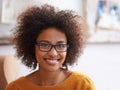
(33, 20)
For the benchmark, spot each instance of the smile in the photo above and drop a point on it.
(52, 61)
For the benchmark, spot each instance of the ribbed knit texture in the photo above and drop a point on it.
(76, 81)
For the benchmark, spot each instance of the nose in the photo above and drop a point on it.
(53, 52)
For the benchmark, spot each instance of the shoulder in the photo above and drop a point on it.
(83, 80)
(15, 85)
(79, 75)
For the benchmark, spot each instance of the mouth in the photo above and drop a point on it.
(52, 61)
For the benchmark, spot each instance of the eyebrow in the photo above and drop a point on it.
(43, 41)
(61, 42)
(49, 42)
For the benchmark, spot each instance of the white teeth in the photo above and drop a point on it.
(52, 61)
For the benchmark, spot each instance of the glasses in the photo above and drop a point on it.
(46, 47)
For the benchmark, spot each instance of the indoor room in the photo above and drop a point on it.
(100, 59)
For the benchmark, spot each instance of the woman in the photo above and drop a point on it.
(50, 39)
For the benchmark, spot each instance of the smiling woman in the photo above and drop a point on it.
(51, 39)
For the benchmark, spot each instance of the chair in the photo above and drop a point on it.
(9, 70)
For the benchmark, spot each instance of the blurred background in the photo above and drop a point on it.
(101, 57)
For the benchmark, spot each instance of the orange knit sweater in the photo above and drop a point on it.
(76, 81)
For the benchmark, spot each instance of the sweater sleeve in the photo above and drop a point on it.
(89, 85)
(12, 86)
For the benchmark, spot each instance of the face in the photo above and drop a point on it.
(50, 60)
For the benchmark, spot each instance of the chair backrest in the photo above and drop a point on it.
(9, 70)
(3, 81)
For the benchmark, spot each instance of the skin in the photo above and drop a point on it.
(49, 73)
(52, 36)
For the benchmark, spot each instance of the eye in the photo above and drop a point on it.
(61, 46)
(44, 45)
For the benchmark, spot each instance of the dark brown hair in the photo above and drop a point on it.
(35, 19)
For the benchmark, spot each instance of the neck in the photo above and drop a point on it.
(50, 78)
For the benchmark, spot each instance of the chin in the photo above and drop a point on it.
(53, 69)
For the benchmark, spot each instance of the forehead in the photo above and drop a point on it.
(52, 35)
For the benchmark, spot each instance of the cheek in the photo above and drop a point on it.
(38, 54)
(64, 55)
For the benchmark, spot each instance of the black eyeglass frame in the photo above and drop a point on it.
(51, 46)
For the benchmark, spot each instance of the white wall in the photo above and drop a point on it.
(17, 6)
(100, 61)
